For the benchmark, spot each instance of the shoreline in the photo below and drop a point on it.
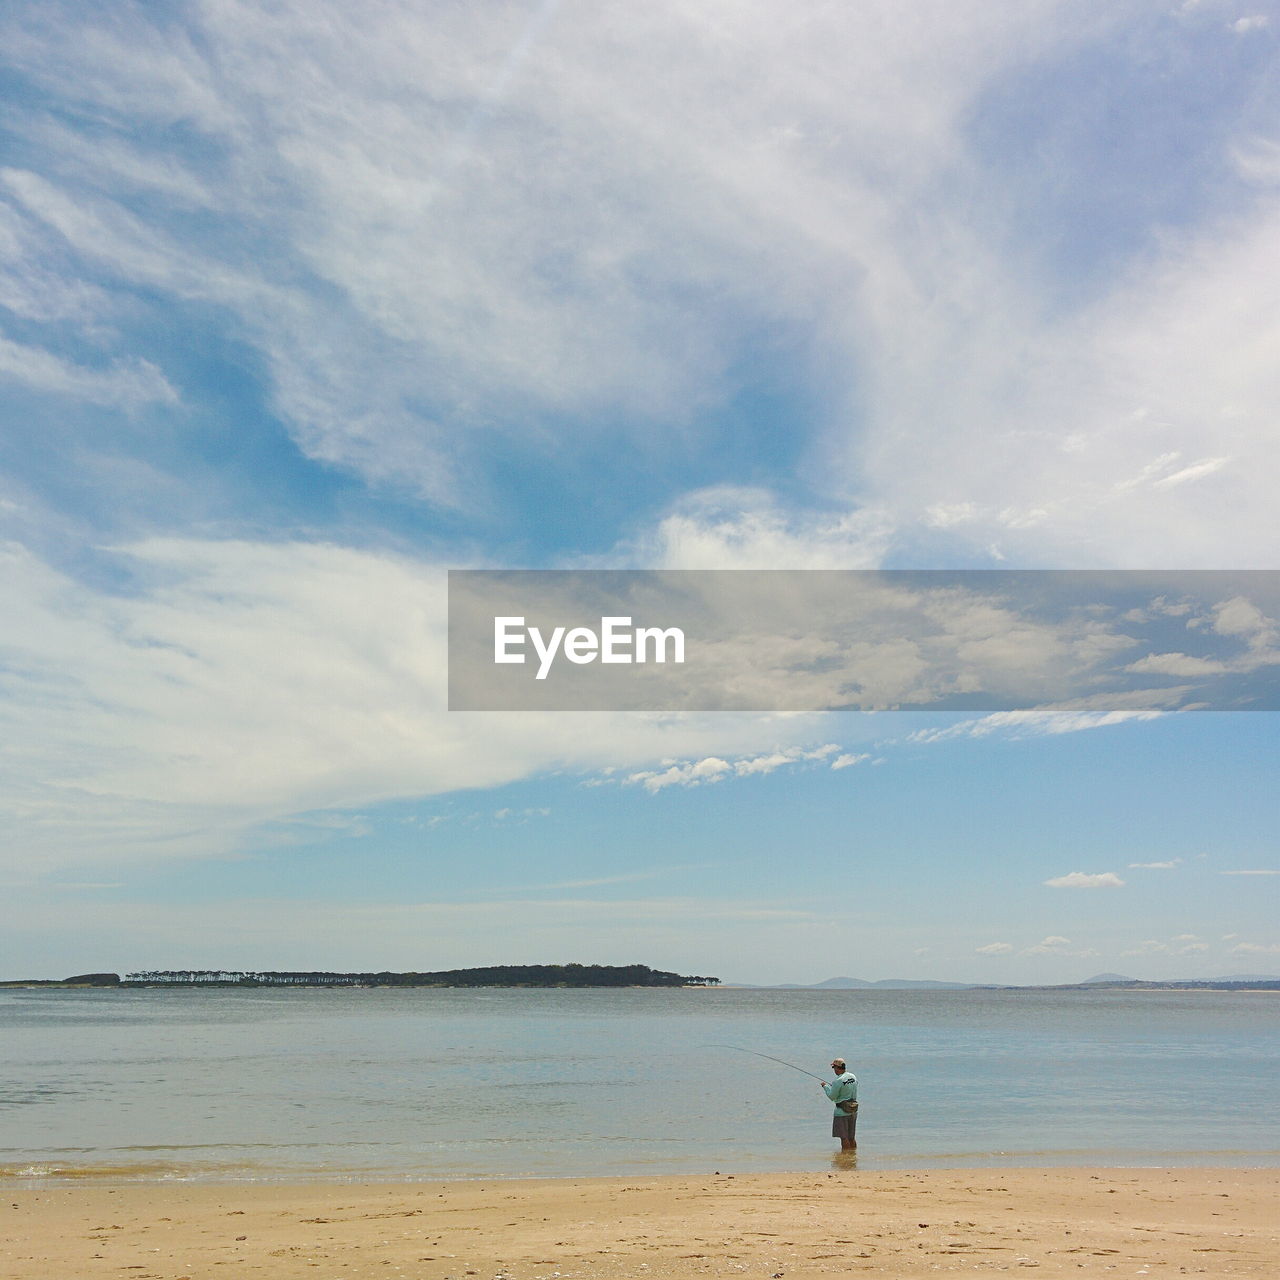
(38, 1174)
(896, 1223)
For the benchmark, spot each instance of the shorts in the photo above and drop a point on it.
(844, 1127)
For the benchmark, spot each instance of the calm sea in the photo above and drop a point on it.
(369, 1084)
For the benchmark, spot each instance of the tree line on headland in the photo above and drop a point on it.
(502, 975)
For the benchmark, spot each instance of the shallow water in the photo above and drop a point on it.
(406, 1084)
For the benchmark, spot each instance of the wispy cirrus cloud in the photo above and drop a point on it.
(122, 383)
(1073, 716)
(1183, 944)
(1056, 945)
(846, 760)
(438, 232)
(603, 882)
(694, 773)
(219, 686)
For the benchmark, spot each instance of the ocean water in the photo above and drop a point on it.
(227, 1085)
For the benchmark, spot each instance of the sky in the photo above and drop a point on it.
(301, 307)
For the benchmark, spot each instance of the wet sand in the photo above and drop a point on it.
(1055, 1222)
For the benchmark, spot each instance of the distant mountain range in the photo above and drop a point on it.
(909, 984)
(1226, 977)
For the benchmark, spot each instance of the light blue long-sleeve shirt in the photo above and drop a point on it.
(842, 1089)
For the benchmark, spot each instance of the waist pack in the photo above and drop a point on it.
(847, 1108)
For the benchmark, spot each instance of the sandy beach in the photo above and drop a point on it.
(1059, 1222)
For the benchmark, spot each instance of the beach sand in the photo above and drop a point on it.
(1057, 1222)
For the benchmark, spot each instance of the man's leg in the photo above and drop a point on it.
(843, 1127)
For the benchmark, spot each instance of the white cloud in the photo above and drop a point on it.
(442, 235)
(1241, 617)
(994, 949)
(1056, 945)
(124, 383)
(1237, 618)
(538, 227)
(1151, 946)
(1184, 944)
(468, 226)
(692, 773)
(762, 764)
(1052, 945)
(1073, 716)
(1162, 432)
(1256, 949)
(1156, 866)
(730, 528)
(1177, 664)
(1197, 470)
(846, 760)
(519, 815)
(246, 683)
(1126, 469)
(1086, 880)
(1258, 872)
(889, 642)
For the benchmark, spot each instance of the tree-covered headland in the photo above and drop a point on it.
(501, 975)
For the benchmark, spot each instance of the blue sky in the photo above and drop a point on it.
(299, 309)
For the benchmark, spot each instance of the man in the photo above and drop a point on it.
(843, 1091)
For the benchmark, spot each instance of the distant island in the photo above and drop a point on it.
(502, 975)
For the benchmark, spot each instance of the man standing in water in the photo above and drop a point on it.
(843, 1091)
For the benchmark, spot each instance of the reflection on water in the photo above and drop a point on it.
(373, 1084)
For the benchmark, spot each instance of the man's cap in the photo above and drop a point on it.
(837, 1062)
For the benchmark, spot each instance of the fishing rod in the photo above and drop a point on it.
(738, 1048)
